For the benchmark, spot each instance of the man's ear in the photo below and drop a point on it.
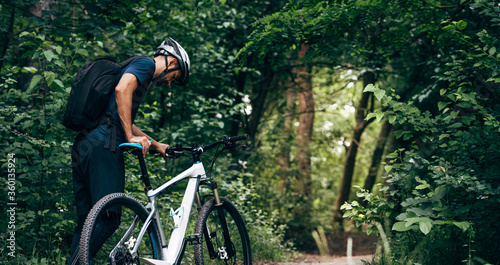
(171, 61)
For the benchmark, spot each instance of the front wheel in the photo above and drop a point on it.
(223, 237)
(111, 232)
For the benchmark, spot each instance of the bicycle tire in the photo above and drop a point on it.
(130, 208)
(214, 238)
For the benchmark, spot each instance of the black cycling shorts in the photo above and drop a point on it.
(97, 172)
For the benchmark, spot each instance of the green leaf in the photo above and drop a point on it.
(18, 118)
(379, 116)
(49, 55)
(464, 104)
(461, 25)
(449, 27)
(379, 94)
(27, 146)
(370, 88)
(442, 105)
(401, 217)
(425, 225)
(492, 51)
(411, 214)
(34, 82)
(387, 168)
(370, 116)
(422, 186)
(392, 119)
(59, 83)
(412, 220)
(455, 125)
(49, 77)
(399, 134)
(462, 225)
(443, 136)
(24, 33)
(401, 227)
(83, 52)
(392, 155)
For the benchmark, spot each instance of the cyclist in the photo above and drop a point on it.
(98, 164)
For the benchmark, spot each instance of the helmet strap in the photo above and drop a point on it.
(164, 73)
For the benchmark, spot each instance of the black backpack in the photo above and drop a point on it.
(88, 100)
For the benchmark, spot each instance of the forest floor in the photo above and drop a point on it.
(363, 248)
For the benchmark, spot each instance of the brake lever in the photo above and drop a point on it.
(170, 153)
(232, 145)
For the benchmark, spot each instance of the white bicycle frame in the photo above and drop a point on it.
(173, 251)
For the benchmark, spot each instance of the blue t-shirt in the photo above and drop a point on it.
(143, 68)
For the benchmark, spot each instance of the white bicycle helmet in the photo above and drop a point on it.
(171, 47)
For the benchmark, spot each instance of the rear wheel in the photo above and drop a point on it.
(111, 231)
(223, 237)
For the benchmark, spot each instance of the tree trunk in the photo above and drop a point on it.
(284, 159)
(299, 227)
(305, 128)
(377, 157)
(7, 36)
(352, 151)
(240, 86)
(258, 102)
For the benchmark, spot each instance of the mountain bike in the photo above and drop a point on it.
(220, 235)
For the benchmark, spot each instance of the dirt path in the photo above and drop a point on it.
(362, 247)
(333, 260)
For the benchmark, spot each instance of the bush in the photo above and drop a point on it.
(441, 202)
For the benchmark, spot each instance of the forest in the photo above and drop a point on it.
(372, 116)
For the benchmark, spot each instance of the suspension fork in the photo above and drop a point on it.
(222, 218)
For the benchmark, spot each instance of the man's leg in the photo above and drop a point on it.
(106, 176)
(81, 150)
(76, 240)
(104, 229)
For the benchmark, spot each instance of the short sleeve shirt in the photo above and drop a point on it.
(143, 68)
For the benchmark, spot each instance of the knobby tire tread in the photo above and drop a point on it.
(115, 199)
(230, 212)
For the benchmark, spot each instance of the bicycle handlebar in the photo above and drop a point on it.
(196, 150)
(174, 152)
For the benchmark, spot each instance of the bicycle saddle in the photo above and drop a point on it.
(130, 146)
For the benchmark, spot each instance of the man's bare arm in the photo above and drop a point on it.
(124, 94)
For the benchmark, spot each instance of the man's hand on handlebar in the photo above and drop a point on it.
(161, 148)
(143, 141)
(174, 152)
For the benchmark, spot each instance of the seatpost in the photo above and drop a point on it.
(144, 171)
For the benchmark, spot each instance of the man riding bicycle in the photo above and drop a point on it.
(99, 169)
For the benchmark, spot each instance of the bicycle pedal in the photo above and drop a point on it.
(193, 239)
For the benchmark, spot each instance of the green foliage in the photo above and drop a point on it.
(32, 131)
(445, 182)
(441, 57)
(266, 237)
(41, 51)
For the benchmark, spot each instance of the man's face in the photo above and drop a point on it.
(170, 77)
